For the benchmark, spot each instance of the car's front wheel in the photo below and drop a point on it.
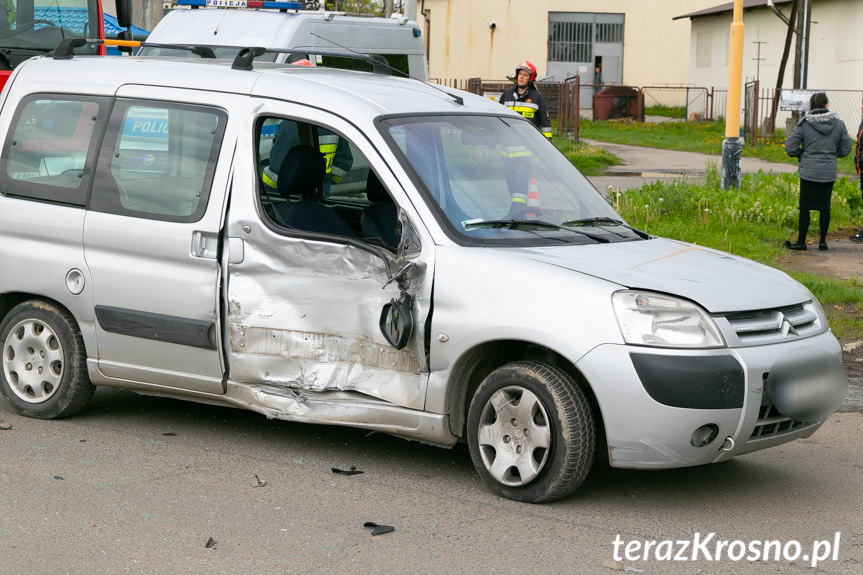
(531, 432)
(44, 371)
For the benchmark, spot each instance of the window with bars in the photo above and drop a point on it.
(609, 33)
(571, 41)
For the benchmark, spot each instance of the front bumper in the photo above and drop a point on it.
(649, 425)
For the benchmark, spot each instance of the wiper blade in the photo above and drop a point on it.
(512, 224)
(519, 224)
(605, 220)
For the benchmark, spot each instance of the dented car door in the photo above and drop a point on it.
(304, 307)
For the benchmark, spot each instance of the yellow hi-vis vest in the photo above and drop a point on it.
(327, 144)
(529, 111)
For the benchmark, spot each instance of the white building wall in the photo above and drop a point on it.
(835, 52)
(462, 45)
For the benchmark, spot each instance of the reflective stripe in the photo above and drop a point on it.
(337, 174)
(516, 152)
(519, 199)
(270, 178)
(526, 109)
(546, 131)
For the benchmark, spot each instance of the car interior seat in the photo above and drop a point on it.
(380, 218)
(301, 173)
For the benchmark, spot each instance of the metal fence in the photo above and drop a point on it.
(760, 103)
(701, 103)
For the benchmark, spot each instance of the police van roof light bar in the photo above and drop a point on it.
(242, 4)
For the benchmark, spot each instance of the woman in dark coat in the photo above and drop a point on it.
(817, 140)
(858, 237)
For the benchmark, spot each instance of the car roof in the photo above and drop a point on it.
(345, 91)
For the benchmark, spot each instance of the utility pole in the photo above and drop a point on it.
(732, 146)
(758, 59)
(781, 76)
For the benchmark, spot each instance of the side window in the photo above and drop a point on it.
(158, 160)
(315, 180)
(49, 152)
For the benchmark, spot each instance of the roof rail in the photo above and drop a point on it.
(246, 56)
(65, 49)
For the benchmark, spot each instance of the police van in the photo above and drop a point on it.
(396, 43)
(142, 248)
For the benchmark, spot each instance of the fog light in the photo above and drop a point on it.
(704, 435)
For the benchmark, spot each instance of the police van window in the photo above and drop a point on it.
(343, 198)
(393, 64)
(158, 160)
(50, 149)
(222, 52)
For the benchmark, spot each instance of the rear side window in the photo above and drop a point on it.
(158, 160)
(50, 150)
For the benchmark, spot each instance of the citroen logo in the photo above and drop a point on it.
(787, 327)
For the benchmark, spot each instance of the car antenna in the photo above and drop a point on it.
(378, 62)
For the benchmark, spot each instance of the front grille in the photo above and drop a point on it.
(771, 423)
(763, 327)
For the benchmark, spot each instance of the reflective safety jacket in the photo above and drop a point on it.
(335, 150)
(531, 105)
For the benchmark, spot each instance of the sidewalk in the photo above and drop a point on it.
(644, 165)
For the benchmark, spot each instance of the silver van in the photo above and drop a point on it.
(477, 288)
(396, 42)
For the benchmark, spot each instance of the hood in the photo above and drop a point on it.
(718, 281)
(822, 120)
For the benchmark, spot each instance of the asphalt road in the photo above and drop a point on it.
(140, 485)
(645, 165)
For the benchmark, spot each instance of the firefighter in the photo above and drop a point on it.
(525, 99)
(335, 150)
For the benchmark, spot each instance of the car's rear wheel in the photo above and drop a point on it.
(44, 361)
(531, 433)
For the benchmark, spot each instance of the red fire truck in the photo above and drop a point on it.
(34, 27)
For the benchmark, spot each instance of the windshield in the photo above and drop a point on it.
(498, 181)
(38, 28)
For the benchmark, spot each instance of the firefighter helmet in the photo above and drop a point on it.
(528, 67)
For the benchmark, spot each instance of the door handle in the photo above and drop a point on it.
(205, 245)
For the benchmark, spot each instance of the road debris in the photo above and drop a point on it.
(352, 471)
(379, 529)
(5, 426)
(210, 543)
(259, 482)
(169, 434)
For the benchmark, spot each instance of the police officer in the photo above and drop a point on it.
(525, 99)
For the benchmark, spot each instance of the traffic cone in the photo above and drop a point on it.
(533, 208)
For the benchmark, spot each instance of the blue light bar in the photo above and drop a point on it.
(242, 4)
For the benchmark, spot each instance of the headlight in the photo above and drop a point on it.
(659, 320)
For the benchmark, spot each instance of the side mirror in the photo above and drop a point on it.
(397, 321)
(124, 13)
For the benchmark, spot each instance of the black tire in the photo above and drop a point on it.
(531, 432)
(44, 362)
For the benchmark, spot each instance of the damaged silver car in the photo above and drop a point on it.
(345, 248)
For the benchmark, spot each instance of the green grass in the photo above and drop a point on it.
(588, 159)
(751, 222)
(703, 137)
(677, 112)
